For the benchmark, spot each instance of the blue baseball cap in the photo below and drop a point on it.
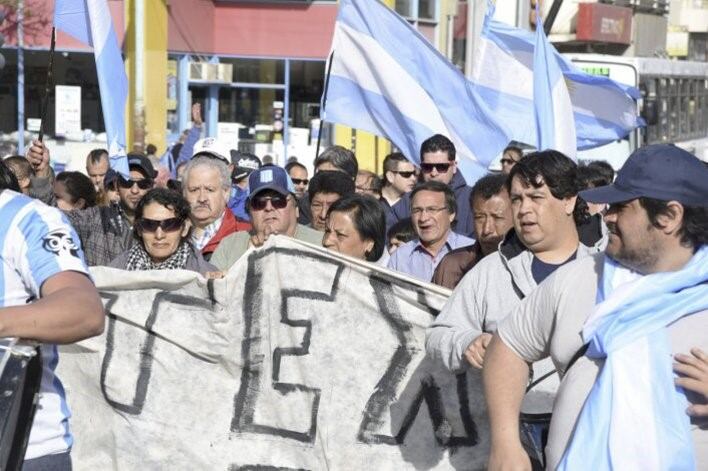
(270, 177)
(660, 171)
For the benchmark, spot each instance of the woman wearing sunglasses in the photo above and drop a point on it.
(161, 230)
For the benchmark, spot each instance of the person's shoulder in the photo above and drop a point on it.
(233, 239)
(459, 257)
(576, 272)
(308, 234)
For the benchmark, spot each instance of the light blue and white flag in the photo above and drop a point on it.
(634, 417)
(89, 21)
(503, 75)
(387, 79)
(555, 125)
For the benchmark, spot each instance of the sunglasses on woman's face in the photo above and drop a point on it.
(406, 174)
(144, 184)
(259, 203)
(167, 225)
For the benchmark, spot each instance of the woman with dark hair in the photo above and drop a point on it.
(356, 226)
(74, 190)
(161, 231)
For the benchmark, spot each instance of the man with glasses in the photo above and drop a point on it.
(437, 163)
(400, 177)
(433, 208)
(510, 157)
(106, 231)
(298, 175)
(273, 211)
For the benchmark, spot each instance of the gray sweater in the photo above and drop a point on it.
(485, 296)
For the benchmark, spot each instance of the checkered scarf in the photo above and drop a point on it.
(139, 259)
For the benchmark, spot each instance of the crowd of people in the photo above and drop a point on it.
(525, 252)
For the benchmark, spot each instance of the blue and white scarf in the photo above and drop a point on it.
(634, 416)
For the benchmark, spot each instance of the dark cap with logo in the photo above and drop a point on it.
(142, 163)
(660, 171)
(269, 178)
(244, 163)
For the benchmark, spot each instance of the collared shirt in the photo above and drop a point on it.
(199, 242)
(413, 259)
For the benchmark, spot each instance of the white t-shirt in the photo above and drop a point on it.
(549, 323)
(38, 242)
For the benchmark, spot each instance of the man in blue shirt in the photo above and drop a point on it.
(433, 208)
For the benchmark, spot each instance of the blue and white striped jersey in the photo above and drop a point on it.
(37, 242)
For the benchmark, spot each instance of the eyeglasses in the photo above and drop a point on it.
(144, 184)
(167, 225)
(405, 174)
(431, 209)
(300, 181)
(441, 168)
(259, 203)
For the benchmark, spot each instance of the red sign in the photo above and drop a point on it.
(599, 22)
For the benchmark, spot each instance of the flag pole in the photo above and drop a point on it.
(324, 102)
(48, 84)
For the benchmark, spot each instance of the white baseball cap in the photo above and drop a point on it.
(214, 147)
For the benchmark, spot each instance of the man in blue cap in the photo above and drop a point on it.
(613, 324)
(273, 209)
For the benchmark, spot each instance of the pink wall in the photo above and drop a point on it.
(284, 30)
(209, 27)
(38, 25)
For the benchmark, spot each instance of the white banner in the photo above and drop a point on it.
(67, 110)
(300, 359)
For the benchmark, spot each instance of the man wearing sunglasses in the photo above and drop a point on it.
(273, 209)
(106, 231)
(400, 177)
(437, 163)
(298, 175)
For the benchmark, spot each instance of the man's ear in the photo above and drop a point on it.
(569, 204)
(670, 221)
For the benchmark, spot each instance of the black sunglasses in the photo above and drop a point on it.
(167, 225)
(300, 181)
(144, 184)
(441, 168)
(406, 174)
(259, 203)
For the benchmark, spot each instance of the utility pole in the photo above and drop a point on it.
(20, 77)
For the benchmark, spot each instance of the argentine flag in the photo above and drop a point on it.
(555, 126)
(503, 75)
(89, 21)
(387, 79)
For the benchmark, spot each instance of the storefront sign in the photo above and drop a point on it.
(604, 23)
(67, 110)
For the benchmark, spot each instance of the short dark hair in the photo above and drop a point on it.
(557, 172)
(438, 143)
(375, 182)
(438, 187)
(402, 230)
(595, 173)
(694, 227)
(20, 166)
(515, 149)
(78, 186)
(330, 181)
(340, 158)
(293, 164)
(96, 155)
(369, 220)
(151, 149)
(391, 161)
(170, 199)
(8, 180)
(488, 186)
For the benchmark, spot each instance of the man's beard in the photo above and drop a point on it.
(640, 260)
